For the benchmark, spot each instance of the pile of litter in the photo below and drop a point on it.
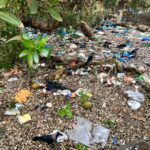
(105, 81)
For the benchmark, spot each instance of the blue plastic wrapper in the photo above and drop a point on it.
(62, 33)
(68, 96)
(115, 142)
(48, 46)
(125, 56)
(146, 39)
(118, 34)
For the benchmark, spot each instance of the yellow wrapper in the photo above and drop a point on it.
(23, 119)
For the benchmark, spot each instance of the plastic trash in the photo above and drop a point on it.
(12, 79)
(18, 106)
(107, 44)
(121, 75)
(88, 134)
(81, 71)
(49, 105)
(126, 55)
(136, 96)
(12, 112)
(23, 119)
(102, 76)
(122, 46)
(55, 86)
(100, 135)
(55, 136)
(134, 104)
(90, 58)
(82, 56)
(145, 39)
(22, 96)
(115, 82)
(81, 133)
(62, 92)
(73, 46)
(115, 141)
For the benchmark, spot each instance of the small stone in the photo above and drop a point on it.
(49, 105)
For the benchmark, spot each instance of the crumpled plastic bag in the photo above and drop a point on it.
(81, 133)
(133, 95)
(62, 92)
(100, 135)
(87, 134)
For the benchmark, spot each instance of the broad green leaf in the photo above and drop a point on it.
(36, 57)
(54, 2)
(15, 38)
(42, 43)
(10, 18)
(44, 52)
(68, 106)
(24, 53)
(61, 113)
(29, 44)
(54, 13)
(33, 6)
(25, 37)
(30, 60)
(69, 114)
(3, 3)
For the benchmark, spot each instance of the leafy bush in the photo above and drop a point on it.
(34, 49)
(65, 112)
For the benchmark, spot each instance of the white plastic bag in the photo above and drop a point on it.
(135, 96)
(88, 134)
(100, 135)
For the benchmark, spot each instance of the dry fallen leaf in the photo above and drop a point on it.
(16, 71)
(129, 80)
(22, 96)
(139, 118)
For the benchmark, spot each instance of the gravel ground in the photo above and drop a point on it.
(109, 103)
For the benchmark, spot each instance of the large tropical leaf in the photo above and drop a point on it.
(54, 13)
(33, 6)
(3, 3)
(10, 18)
